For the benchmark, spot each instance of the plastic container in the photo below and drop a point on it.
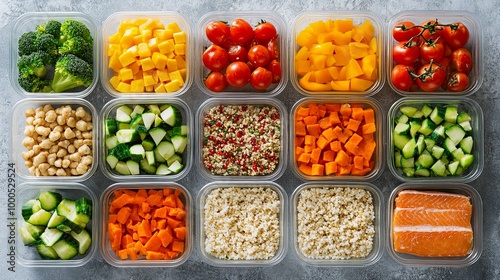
(463, 104)
(474, 45)
(378, 224)
(303, 20)
(104, 244)
(378, 154)
(239, 163)
(253, 18)
(476, 221)
(110, 27)
(283, 224)
(109, 111)
(27, 255)
(29, 22)
(18, 128)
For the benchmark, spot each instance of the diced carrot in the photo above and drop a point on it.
(334, 118)
(335, 146)
(317, 169)
(151, 255)
(122, 200)
(306, 169)
(309, 140)
(315, 154)
(358, 162)
(154, 243)
(313, 129)
(330, 168)
(329, 134)
(304, 157)
(328, 156)
(321, 111)
(342, 158)
(324, 123)
(357, 113)
(353, 124)
(300, 128)
(313, 110)
(322, 142)
(298, 150)
(132, 253)
(180, 233)
(178, 246)
(310, 120)
(140, 248)
(368, 128)
(170, 201)
(333, 107)
(123, 215)
(369, 115)
(303, 111)
(161, 224)
(345, 110)
(299, 140)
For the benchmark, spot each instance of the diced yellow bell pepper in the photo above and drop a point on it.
(334, 72)
(341, 55)
(340, 38)
(322, 76)
(368, 31)
(318, 60)
(342, 73)
(325, 37)
(369, 64)
(353, 69)
(306, 39)
(358, 50)
(343, 25)
(302, 67)
(340, 85)
(372, 46)
(329, 60)
(303, 54)
(317, 27)
(306, 84)
(360, 84)
(137, 85)
(324, 48)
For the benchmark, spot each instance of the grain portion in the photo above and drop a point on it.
(242, 223)
(335, 223)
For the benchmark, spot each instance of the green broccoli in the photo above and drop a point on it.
(47, 43)
(73, 28)
(26, 43)
(71, 72)
(32, 83)
(35, 63)
(52, 27)
(79, 47)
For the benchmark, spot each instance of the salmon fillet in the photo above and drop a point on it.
(432, 224)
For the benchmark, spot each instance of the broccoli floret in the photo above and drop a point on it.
(73, 28)
(32, 83)
(52, 27)
(79, 47)
(71, 72)
(27, 43)
(35, 63)
(47, 43)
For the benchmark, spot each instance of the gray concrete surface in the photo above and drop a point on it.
(487, 267)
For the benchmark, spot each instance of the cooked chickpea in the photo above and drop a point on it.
(81, 125)
(88, 117)
(30, 112)
(80, 112)
(39, 159)
(84, 150)
(58, 162)
(54, 135)
(71, 122)
(46, 144)
(43, 131)
(51, 159)
(82, 168)
(63, 144)
(47, 108)
(40, 114)
(50, 116)
(28, 142)
(61, 152)
(66, 163)
(76, 157)
(60, 172)
(69, 134)
(38, 122)
(29, 120)
(43, 167)
(29, 130)
(87, 160)
(51, 171)
(87, 135)
(71, 149)
(27, 154)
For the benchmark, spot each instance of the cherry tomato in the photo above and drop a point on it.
(215, 58)
(404, 31)
(237, 53)
(401, 77)
(238, 74)
(264, 32)
(217, 32)
(274, 49)
(259, 56)
(275, 68)
(261, 78)
(445, 63)
(457, 81)
(461, 60)
(456, 35)
(431, 77)
(432, 50)
(216, 81)
(432, 29)
(404, 54)
(241, 32)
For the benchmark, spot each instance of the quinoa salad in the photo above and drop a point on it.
(241, 140)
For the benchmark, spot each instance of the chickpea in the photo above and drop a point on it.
(60, 172)
(58, 162)
(87, 135)
(46, 144)
(29, 130)
(66, 163)
(32, 169)
(76, 157)
(61, 152)
(30, 112)
(87, 160)
(61, 120)
(82, 168)
(90, 126)
(40, 114)
(58, 128)
(73, 164)
(47, 108)
(28, 142)
(80, 112)
(29, 120)
(64, 144)
(54, 149)
(27, 154)
(36, 149)
(28, 163)
(81, 125)
(51, 159)
(69, 134)
(38, 121)
(73, 172)
(43, 167)
(88, 117)
(71, 122)
(50, 116)
(41, 130)
(51, 171)
(78, 134)
(71, 149)
(84, 150)
(37, 172)
(88, 142)
(54, 136)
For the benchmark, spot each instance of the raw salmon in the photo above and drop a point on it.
(432, 224)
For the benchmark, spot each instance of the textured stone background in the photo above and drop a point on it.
(487, 267)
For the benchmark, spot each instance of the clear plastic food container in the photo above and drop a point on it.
(28, 255)
(105, 247)
(377, 240)
(332, 144)
(18, 136)
(29, 22)
(253, 18)
(241, 139)
(474, 45)
(111, 26)
(338, 27)
(474, 129)
(255, 209)
(184, 157)
(476, 222)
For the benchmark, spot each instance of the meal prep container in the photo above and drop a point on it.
(283, 224)
(27, 255)
(253, 18)
(378, 238)
(28, 22)
(110, 26)
(474, 45)
(358, 17)
(18, 127)
(476, 221)
(104, 243)
(463, 104)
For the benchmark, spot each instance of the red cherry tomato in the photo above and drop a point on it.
(445, 64)
(457, 81)
(274, 49)
(237, 53)
(404, 31)
(431, 77)
(259, 56)
(461, 60)
(264, 32)
(432, 50)
(238, 74)
(401, 77)
(241, 32)
(275, 68)
(261, 78)
(215, 58)
(217, 32)
(456, 35)
(432, 29)
(216, 81)
(404, 54)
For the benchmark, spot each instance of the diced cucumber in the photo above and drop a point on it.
(148, 119)
(457, 154)
(179, 142)
(407, 162)
(467, 144)
(408, 110)
(453, 167)
(133, 167)
(400, 140)
(123, 125)
(179, 130)
(33, 230)
(449, 145)
(451, 114)
(40, 218)
(121, 151)
(75, 212)
(84, 207)
(466, 125)
(163, 170)
(148, 144)
(158, 157)
(438, 135)
(437, 151)
(136, 120)
(439, 168)
(456, 133)
(427, 127)
(26, 236)
(172, 116)
(155, 109)
(127, 135)
(466, 160)
(111, 126)
(158, 121)
(463, 117)
(122, 168)
(422, 172)
(174, 158)
(64, 227)
(429, 143)
(402, 128)
(425, 160)
(426, 110)
(418, 115)
(176, 167)
(84, 240)
(397, 159)
(414, 127)
(150, 157)
(55, 220)
(438, 114)
(158, 134)
(49, 200)
(409, 171)
(403, 119)
(138, 109)
(420, 144)
(30, 207)
(166, 149)
(408, 150)
(67, 247)
(137, 152)
(146, 167)
(50, 236)
(112, 160)
(111, 142)
(46, 252)
(123, 114)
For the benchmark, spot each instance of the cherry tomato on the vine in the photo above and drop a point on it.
(264, 32)
(404, 31)
(457, 81)
(237, 53)
(261, 78)
(217, 32)
(456, 35)
(215, 58)
(401, 77)
(404, 54)
(241, 31)
(238, 74)
(275, 68)
(461, 60)
(432, 50)
(433, 29)
(430, 77)
(216, 81)
(259, 56)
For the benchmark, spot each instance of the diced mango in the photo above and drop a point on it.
(149, 80)
(123, 87)
(171, 65)
(114, 81)
(172, 86)
(166, 46)
(147, 64)
(180, 37)
(143, 50)
(114, 62)
(174, 26)
(126, 58)
(114, 38)
(160, 87)
(126, 74)
(180, 49)
(176, 75)
(160, 60)
(163, 75)
(164, 34)
(181, 62)
(137, 85)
